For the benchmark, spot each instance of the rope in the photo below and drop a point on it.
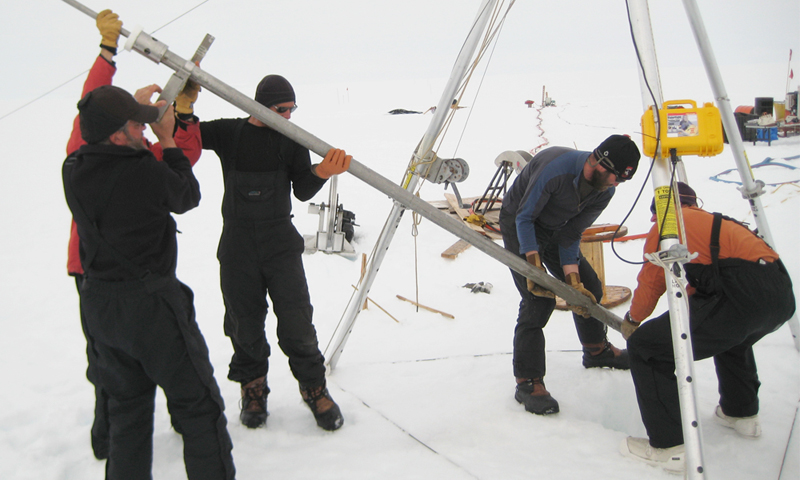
(492, 32)
(416, 219)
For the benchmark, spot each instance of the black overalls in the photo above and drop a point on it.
(260, 253)
(141, 329)
(736, 303)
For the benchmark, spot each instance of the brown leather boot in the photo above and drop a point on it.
(532, 393)
(326, 412)
(254, 403)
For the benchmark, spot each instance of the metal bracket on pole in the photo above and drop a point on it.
(148, 46)
(178, 79)
(755, 190)
(675, 255)
(155, 51)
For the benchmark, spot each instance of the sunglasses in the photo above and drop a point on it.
(606, 163)
(285, 109)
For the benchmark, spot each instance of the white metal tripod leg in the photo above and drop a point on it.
(678, 301)
(749, 185)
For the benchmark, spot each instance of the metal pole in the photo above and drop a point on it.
(333, 205)
(751, 189)
(676, 279)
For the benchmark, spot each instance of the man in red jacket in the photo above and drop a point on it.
(187, 138)
(739, 291)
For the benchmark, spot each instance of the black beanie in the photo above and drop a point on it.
(106, 109)
(622, 153)
(274, 89)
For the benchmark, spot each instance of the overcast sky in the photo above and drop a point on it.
(48, 42)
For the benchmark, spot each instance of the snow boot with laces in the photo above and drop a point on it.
(598, 355)
(254, 403)
(532, 393)
(326, 412)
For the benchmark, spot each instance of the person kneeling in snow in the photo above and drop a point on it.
(739, 291)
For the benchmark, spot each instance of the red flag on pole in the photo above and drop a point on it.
(791, 73)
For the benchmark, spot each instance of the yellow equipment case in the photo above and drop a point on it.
(684, 127)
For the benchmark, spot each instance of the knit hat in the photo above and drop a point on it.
(106, 109)
(618, 154)
(687, 195)
(274, 89)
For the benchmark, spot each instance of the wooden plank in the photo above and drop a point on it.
(426, 308)
(599, 233)
(455, 249)
(382, 309)
(461, 211)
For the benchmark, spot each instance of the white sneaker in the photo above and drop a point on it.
(670, 459)
(745, 426)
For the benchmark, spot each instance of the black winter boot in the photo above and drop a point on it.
(254, 403)
(605, 355)
(325, 410)
(532, 393)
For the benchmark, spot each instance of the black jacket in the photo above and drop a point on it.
(247, 148)
(129, 195)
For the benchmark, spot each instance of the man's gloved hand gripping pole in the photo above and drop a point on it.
(534, 259)
(184, 102)
(336, 161)
(109, 25)
(574, 281)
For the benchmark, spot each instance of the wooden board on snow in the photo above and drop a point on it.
(455, 249)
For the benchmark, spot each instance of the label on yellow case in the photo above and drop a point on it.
(663, 204)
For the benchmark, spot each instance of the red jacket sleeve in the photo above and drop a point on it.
(187, 138)
(101, 73)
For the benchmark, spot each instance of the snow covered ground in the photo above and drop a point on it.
(425, 396)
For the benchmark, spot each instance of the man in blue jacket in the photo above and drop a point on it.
(554, 199)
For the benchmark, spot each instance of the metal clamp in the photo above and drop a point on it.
(755, 192)
(178, 79)
(677, 253)
(146, 45)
